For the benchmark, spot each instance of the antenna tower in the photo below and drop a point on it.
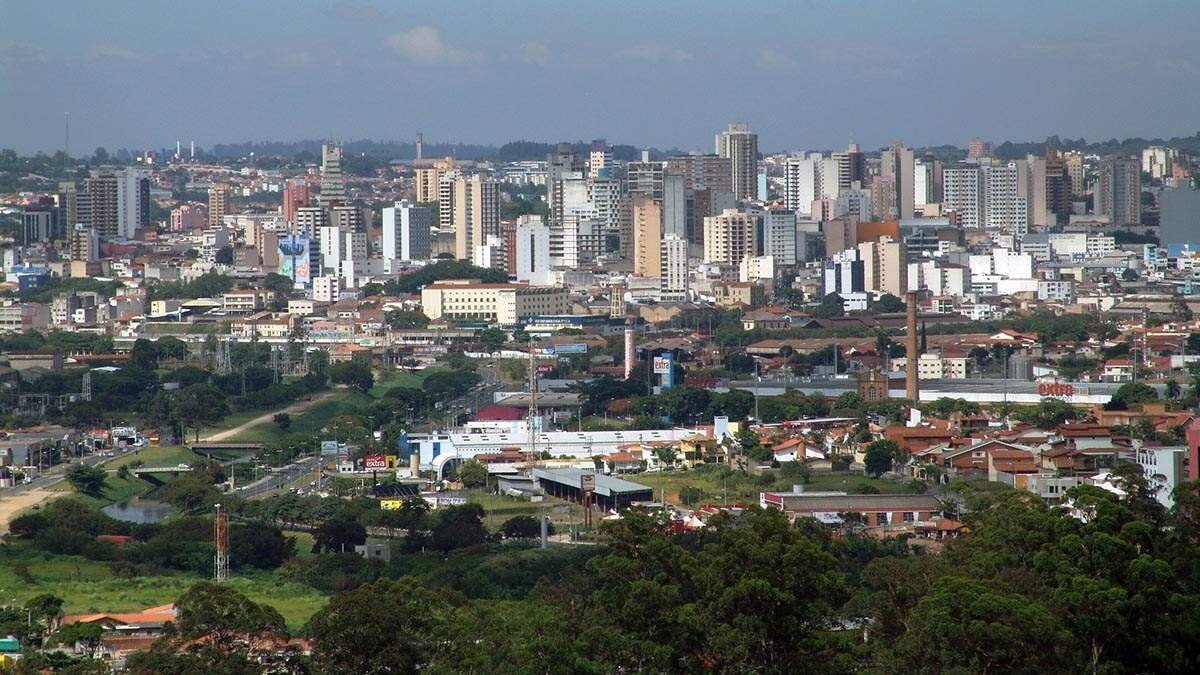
(221, 539)
(86, 394)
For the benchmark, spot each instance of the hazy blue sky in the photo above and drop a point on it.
(655, 72)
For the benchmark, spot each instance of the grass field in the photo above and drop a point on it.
(309, 421)
(166, 455)
(398, 378)
(89, 586)
(116, 490)
(745, 489)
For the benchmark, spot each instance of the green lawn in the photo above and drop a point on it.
(166, 455)
(399, 378)
(116, 490)
(89, 586)
(311, 420)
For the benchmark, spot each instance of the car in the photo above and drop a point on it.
(181, 465)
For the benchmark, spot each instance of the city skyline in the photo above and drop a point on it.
(812, 77)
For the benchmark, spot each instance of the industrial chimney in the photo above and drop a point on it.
(912, 387)
(630, 356)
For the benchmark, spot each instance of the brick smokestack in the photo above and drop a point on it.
(912, 387)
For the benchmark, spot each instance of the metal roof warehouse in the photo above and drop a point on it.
(610, 493)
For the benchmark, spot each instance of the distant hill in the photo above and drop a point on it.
(509, 152)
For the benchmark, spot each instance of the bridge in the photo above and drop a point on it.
(208, 447)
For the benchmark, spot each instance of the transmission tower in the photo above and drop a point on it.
(86, 394)
(221, 539)
(275, 363)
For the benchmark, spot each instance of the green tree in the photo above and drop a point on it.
(963, 626)
(200, 404)
(352, 373)
(1131, 395)
(880, 456)
(283, 421)
(383, 627)
(87, 479)
(473, 474)
(888, 304)
(522, 527)
(831, 307)
(339, 535)
(493, 338)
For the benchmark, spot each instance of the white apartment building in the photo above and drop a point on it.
(532, 250)
(933, 366)
(1005, 207)
(961, 186)
(327, 288)
(407, 231)
(730, 237)
(674, 267)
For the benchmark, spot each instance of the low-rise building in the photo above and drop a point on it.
(503, 304)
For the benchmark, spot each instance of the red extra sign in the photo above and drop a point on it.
(1055, 390)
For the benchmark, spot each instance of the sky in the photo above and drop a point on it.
(804, 74)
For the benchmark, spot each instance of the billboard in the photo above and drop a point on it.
(294, 259)
(374, 462)
(390, 504)
(571, 348)
(662, 365)
(587, 482)
(329, 448)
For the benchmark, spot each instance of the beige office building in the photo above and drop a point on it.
(647, 237)
(503, 304)
(730, 237)
(884, 267)
(476, 213)
(218, 204)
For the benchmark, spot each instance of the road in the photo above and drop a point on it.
(295, 408)
(469, 403)
(282, 477)
(14, 500)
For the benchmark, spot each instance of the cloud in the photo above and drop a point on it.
(114, 52)
(423, 44)
(655, 54)
(771, 58)
(21, 52)
(535, 53)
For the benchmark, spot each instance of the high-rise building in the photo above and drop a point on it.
(333, 184)
(854, 201)
(851, 166)
(1074, 160)
(703, 172)
(980, 149)
(1157, 160)
(730, 237)
(118, 201)
(67, 199)
(674, 205)
(647, 237)
(563, 161)
(1119, 190)
(476, 213)
(40, 222)
(218, 204)
(1058, 188)
(600, 157)
(188, 217)
(896, 165)
(445, 199)
(582, 239)
(673, 268)
(779, 236)
(883, 197)
(85, 243)
(310, 219)
(295, 196)
(740, 146)
(884, 266)
(963, 194)
(1004, 205)
(645, 179)
(531, 249)
(406, 231)
(812, 177)
(927, 182)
